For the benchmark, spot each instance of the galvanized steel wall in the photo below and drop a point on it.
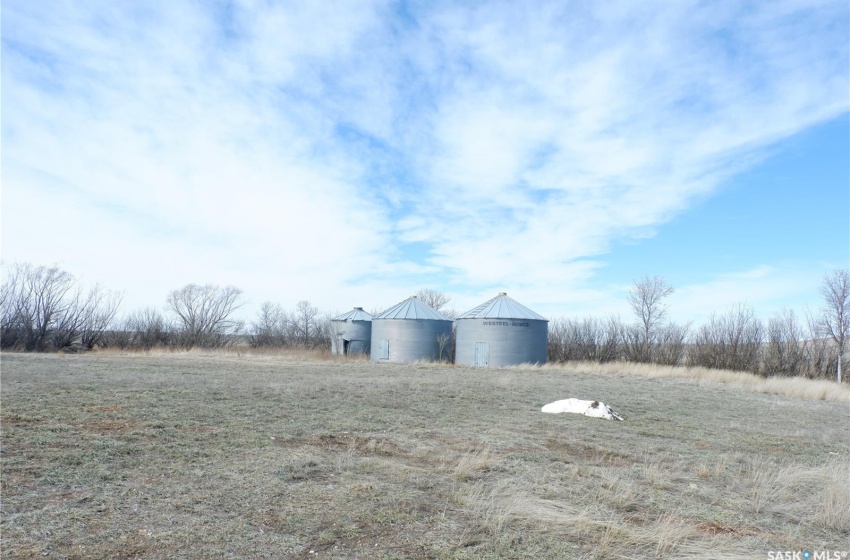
(357, 333)
(501, 342)
(408, 340)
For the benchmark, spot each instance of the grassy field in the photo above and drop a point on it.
(262, 456)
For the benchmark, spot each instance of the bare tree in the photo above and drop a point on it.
(786, 345)
(729, 341)
(203, 314)
(636, 346)
(671, 344)
(148, 329)
(587, 339)
(305, 323)
(821, 357)
(96, 312)
(270, 327)
(443, 344)
(11, 287)
(834, 319)
(556, 343)
(44, 307)
(433, 298)
(646, 299)
(100, 319)
(34, 305)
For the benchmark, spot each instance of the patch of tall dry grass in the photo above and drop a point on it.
(282, 354)
(593, 522)
(819, 495)
(799, 387)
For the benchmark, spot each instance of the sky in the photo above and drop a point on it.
(352, 153)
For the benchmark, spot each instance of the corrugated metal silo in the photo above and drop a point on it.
(351, 333)
(410, 331)
(501, 332)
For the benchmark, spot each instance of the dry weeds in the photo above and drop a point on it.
(240, 454)
(800, 387)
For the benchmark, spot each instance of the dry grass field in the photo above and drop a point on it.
(110, 455)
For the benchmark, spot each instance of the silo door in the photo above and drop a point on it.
(482, 354)
(384, 350)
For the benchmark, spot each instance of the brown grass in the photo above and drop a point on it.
(800, 387)
(240, 454)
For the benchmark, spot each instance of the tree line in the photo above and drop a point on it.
(46, 308)
(785, 344)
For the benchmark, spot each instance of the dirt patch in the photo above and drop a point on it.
(112, 426)
(199, 429)
(359, 445)
(21, 420)
(103, 408)
(587, 454)
(713, 528)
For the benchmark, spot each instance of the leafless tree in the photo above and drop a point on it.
(450, 313)
(96, 311)
(324, 331)
(44, 308)
(786, 345)
(270, 327)
(11, 286)
(821, 355)
(646, 299)
(87, 316)
(729, 341)
(34, 305)
(636, 346)
(607, 340)
(834, 319)
(433, 298)
(203, 314)
(585, 339)
(443, 343)
(671, 344)
(12, 313)
(306, 324)
(142, 329)
(556, 342)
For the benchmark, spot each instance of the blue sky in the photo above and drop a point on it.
(352, 153)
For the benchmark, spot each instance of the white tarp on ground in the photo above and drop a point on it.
(577, 406)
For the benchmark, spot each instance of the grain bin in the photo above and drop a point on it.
(501, 332)
(351, 333)
(410, 331)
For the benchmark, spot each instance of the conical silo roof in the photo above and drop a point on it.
(412, 308)
(356, 314)
(501, 307)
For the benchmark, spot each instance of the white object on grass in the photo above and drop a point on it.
(577, 406)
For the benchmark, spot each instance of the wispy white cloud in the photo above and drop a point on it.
(297, 150)
(766, 288)
(606, 123)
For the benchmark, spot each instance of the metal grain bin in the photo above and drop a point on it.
(351, 333)
(501, 332)
(410, 331)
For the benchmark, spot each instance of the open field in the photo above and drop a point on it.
(107, 455)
